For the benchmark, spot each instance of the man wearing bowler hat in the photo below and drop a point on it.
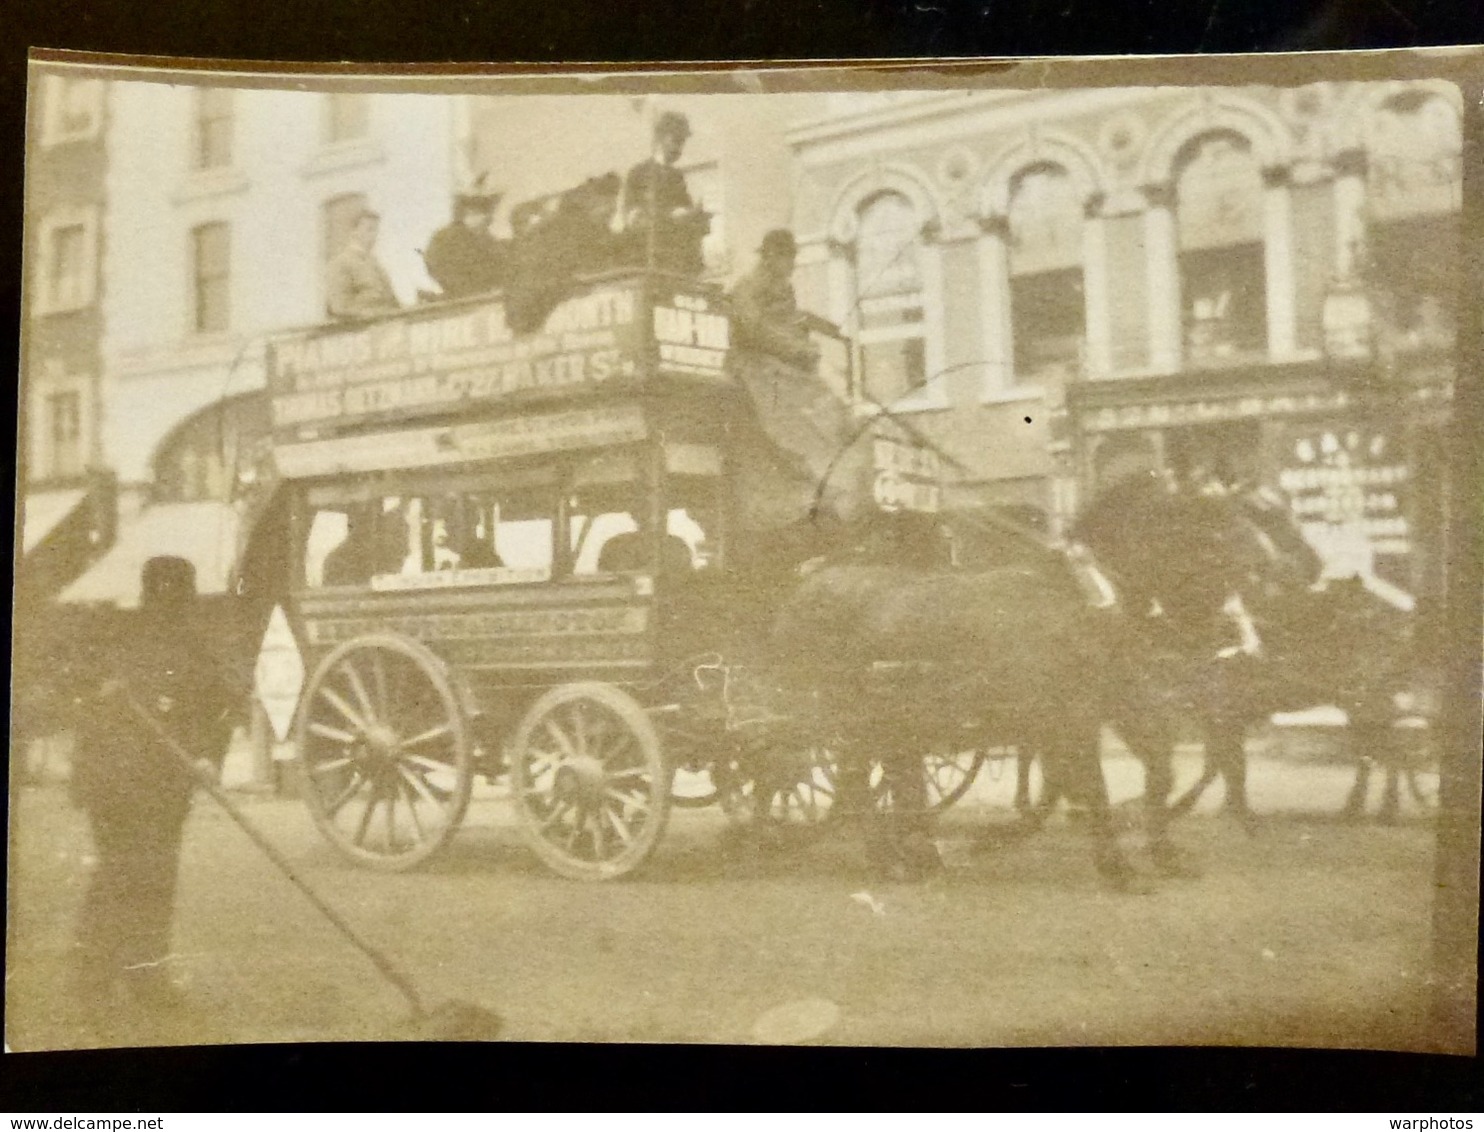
(665, 226)
(136, 793)
(463, 257)
(765, 312)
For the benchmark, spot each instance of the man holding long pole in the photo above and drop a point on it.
(136, 793)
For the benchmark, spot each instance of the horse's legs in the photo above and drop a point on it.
(1024, 757)
(1071, 765)
(909, 821)
(1391, 800)
(1354, 806)
(1186, 802)
(1150, 737)
(1031, 813)
(1386, 752)
(1368, 742)
(1226, 751)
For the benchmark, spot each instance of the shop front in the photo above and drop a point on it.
(1357, 450)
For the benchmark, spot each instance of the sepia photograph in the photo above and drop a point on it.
(914, 556)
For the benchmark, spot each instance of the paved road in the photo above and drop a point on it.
(1311, 933)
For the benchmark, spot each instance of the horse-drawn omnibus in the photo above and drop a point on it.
(514, 554)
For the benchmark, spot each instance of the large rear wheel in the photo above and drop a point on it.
(383, 752)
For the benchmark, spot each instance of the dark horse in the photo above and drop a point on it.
(1307, 642)
(1323, 642)
(909, 656)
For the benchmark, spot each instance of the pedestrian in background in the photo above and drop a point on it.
(136, 792)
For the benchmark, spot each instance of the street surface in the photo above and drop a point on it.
(1314, 932)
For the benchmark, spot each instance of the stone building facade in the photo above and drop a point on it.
(67, 497)
(225, 204)
(1062, 285)
(1054, 285)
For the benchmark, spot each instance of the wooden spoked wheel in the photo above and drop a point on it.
(383, 752)
(590, 783)
(792, 787)
(949, 776)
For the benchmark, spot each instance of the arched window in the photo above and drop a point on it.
(889, 291)
(1047, 308)
(205, 454)
(1219, 222)
(1414, 192)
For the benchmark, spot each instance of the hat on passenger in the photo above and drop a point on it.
(779, 242)
(166, 583)
(672, 122)
(478, 197)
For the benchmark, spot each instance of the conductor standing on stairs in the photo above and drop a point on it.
(136, 794)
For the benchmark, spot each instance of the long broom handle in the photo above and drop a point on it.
(393, 974)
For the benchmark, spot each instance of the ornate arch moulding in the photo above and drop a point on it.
(1044, 147)
(1269, 136)
(895, 178)
(1355, 111)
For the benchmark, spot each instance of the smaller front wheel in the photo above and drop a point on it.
(590, 783)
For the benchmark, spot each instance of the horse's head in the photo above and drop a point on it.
(1184, 550)
(1282, 560)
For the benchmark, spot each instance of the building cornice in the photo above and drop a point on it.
(950, 117)
(933, 104)
(246, 352)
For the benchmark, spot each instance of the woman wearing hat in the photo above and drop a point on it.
(462, 257)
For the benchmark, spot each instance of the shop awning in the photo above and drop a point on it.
(45, 511)
(205, 534)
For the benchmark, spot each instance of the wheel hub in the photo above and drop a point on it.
(381, 741)
(581, 779)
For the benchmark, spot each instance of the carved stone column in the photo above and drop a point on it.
(996, 332)
(1161, 245)
(1278, 262)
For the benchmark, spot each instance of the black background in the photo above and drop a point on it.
(516, 1077)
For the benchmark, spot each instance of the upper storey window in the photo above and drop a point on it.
(1219, 209)
(347, 118)
(1047, 308)
(213, 128)
(71, 109)
(1414, 190)
(889, 290)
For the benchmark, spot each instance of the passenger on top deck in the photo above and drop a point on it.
(765, 314)
(665, 227)
(357, 286)
(463, 258)
(551, 252)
